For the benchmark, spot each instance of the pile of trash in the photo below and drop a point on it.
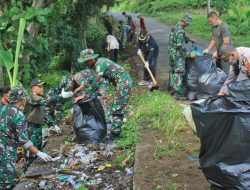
(78, 166)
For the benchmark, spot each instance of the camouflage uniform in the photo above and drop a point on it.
(35, 130)
(56, 106)
(13, 133)
(1, 104)
(177, 55)
(124, 30)
(108, 69)
(86, 77)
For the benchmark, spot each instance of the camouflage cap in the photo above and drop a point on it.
(187, 18)
(86, 55)
(17, 94)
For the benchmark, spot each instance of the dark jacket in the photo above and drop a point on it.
(149, 48)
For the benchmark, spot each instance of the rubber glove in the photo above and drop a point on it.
(66, 94)
(139, 52)
(44, 156)
(205, 51)
(57, 129)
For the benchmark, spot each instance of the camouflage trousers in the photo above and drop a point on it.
(103, 97)
(121, 97)
(124, 40)
(177, 74)
(53, 114)
(35, 135)
(7, 167)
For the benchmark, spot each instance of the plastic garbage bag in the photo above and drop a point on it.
(187, 113)
(240, 89)
(210, 83)
(195, 68)
(89, 120)
(195, 49)
(222, 124)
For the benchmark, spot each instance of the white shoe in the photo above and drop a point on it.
(143, 83)
(150, 85)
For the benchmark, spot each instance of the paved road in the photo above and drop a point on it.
(160, 32)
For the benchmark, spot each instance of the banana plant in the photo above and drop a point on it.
(6, 56)
(239, 16)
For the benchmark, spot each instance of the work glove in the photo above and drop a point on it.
(66, 94)
(139, 52)
(57, 129)
(44, 156)
(205, 51)
(147, 64)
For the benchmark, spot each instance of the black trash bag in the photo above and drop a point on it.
(195, 68)
(240, 89)
(223, 126)
(192, 79)
(192, 95)
(89, 121)
(210, 83)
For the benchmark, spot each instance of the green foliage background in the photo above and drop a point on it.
(154, 6)
(56, 32)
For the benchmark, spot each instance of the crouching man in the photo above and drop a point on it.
(239, 61)
(14, 132)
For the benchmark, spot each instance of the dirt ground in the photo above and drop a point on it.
(166, 172)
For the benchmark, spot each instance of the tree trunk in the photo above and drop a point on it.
(208, 6)
(32, 27)
(1, 76)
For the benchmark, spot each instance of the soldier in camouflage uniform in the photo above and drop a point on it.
(85, 78)
(36, 112)
(177, 55)
(13, 133)
(56, 106)
(124, 30)
(108, 69)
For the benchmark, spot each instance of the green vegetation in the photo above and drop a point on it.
(154, 110)
(152, 7)
(151, 110)
(6, 57)
(170, 186)
(55, 33)
(235, 13)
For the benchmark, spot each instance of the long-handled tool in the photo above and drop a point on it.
(155, 86)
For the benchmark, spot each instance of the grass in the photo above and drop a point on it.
(199, 26)
(154, 110)
(120, 159)
(170, 186)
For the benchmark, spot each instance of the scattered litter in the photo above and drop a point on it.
(192, 158)
(126, 160)
(77, 166)
(175, 175)
(42, 183)
(100, 168)
(129, 171)
(56, 158)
